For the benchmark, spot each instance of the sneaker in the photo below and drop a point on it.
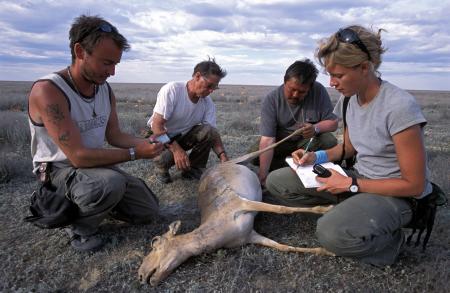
(90, 243)
(193, 173)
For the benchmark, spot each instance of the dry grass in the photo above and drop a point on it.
(40, 260)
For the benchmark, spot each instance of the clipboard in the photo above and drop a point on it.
(306, 174)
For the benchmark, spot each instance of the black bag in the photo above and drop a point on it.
(51, 207)
(424, 213)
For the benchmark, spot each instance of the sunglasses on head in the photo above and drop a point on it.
(348, 36)
(103, 27)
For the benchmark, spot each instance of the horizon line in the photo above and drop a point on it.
(225, 84)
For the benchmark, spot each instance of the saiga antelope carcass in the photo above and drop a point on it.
(229, 197)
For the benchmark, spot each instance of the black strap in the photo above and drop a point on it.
(344, 111)
(350, 161)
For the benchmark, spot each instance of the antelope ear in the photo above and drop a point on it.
(155, 241)
(173, 228)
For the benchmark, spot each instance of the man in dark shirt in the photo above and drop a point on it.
(301, 102)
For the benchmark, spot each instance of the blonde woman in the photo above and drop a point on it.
(385, 132)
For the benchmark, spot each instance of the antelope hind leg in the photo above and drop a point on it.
(249, 206)
(256, 238)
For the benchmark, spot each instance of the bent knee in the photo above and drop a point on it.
(336, 236)
(273, 185)
(327, 141)
(105, 190)
(282, 181)
(206, 132)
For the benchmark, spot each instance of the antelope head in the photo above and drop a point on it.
(167, 253)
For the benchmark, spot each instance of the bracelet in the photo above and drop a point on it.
(321, 157)
(132, 154)
(316, 130)
(219, 154)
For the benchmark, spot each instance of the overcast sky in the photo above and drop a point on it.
(253, 40)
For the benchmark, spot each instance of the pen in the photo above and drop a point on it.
(306, 150)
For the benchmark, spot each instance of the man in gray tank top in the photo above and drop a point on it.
(71, 114)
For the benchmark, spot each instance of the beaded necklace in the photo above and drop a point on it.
(89, 101)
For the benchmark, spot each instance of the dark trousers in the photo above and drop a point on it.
(100, 192)
(200, 139)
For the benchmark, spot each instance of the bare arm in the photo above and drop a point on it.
(219, 149)
(47, 105)
(324, 126)
(327, 125)
(114, 134)
(411, 157)
(158, 124)
(179, 154)
(265, 159)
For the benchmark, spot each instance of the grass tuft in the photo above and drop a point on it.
(14, 129)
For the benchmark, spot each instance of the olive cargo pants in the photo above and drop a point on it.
(363, 226)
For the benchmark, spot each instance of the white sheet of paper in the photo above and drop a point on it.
(306, 174)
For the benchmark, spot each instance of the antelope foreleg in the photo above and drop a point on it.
(250, 206)
(261, 240)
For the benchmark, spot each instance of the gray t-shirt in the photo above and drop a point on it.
(279, 118)
(372, 126)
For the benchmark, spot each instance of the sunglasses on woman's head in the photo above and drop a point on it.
(348, 36)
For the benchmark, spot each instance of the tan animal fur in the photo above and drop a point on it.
(229, 197)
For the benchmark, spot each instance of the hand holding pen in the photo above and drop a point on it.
(303, 156)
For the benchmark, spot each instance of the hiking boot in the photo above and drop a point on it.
(90, 243)
(163, 176)
(193, 173)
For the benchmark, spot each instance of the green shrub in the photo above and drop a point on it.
(132, 123)
(14, 166)
(14, 129)
(438, 163)
(14, 95)
(242, 126)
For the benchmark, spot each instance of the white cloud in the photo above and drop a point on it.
(163, 22)
(254, 40)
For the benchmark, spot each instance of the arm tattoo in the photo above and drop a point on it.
(64, 138)
(55, 114)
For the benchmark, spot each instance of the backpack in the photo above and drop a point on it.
(51, 206)
(424, 213)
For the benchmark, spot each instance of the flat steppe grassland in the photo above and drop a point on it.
(40, 260)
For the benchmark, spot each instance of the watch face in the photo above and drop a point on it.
(354, 188)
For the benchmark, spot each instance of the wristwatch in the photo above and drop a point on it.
(132, 154)
(354, 187)
(316, 130)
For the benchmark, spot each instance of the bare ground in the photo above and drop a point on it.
(35, 260)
